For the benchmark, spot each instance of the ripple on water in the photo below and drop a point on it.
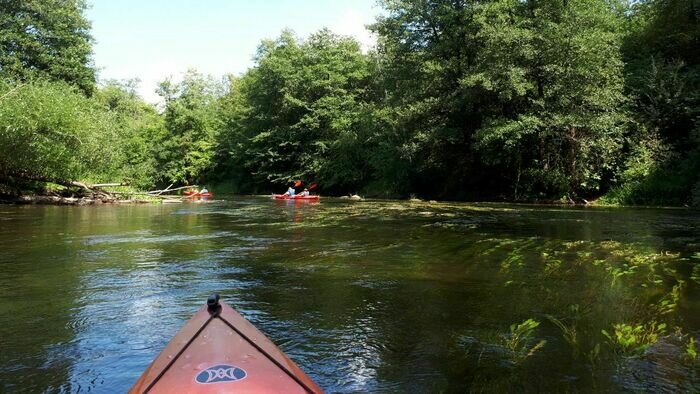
(151, 237)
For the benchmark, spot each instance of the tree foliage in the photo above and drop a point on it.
(51, 131)
(301, 112)
(46, 39)
(663, 85)
(466, 99)
(139, 128)
(186, 151)
(528, 90)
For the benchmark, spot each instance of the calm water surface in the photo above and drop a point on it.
(364, 296)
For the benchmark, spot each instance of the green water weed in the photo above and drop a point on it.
(569, 328)
(619, 272)
(691, 351)
(634, 339)
(669, 303)
(593, 356)
(695, 275)
(518, 341)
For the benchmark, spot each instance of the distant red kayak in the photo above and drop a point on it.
(197, 194)
(219, 351)
(297, 197)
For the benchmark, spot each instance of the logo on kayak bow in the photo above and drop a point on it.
(220, 373)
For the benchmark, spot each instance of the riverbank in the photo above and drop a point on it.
(123, 196)
(58, 200)
(89, 194)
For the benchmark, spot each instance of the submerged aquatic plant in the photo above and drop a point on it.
(691, 351)
(569, 328)
(695, 275)
(618, 272)
(669, 303)
(518, 342)
(593, 356)
(627, 259)
(634, 339)
(514, 258)
(552, 264)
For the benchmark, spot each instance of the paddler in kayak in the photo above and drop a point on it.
(292, 188)
(305, 193)
(290, 192)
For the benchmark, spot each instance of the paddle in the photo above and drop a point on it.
(193, 195)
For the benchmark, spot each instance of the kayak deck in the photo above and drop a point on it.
(219, 351)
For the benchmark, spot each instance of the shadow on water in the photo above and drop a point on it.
(366, 296)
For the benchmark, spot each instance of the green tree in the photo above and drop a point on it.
(556, 70)
(425, 50)
(139, 127)
(46, 39)
(663, 83)
(301, 111)
(186, 152)
(505, 94)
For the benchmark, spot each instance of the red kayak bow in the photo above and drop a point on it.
(219, 351)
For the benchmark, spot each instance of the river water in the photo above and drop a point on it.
(371, 296)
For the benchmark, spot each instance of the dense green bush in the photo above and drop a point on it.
(49, 130)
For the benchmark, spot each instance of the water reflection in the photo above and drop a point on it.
(365, 296)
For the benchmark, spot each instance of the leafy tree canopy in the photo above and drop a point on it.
(46, 39)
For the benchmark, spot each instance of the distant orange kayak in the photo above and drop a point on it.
(190, 193)
(219, 351)
(297, 197)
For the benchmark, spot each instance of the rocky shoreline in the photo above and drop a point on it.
(58, 200)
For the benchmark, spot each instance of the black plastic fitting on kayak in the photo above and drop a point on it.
(213, 303)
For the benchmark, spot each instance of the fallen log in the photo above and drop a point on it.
(172, 190)
(109, 184)
(40, 178)
(62, 182)
(136, 194)
(96, 191)
(166, 189)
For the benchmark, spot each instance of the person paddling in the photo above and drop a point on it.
(290, 192)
